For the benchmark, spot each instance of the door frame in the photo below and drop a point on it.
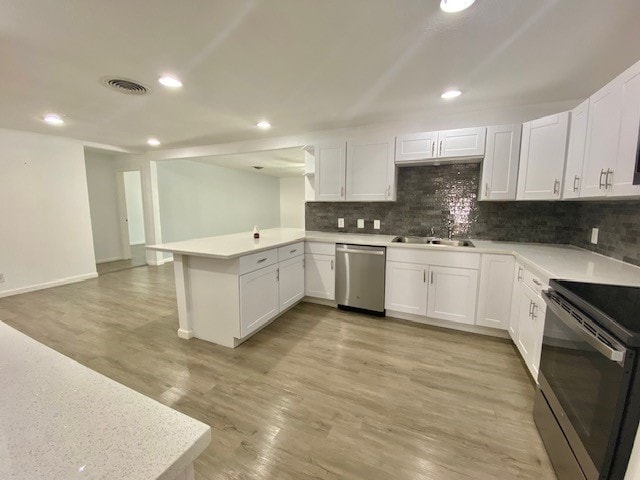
(122, 210)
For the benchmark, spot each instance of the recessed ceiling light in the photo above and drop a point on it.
(451, 94)
(53, 119)
(154, 142)
(170, 81)
(452, 6)
(263, 124)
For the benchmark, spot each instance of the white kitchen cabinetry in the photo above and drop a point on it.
(259, 300)
(320, 275)
(406, 287)
(542, 157)
(371, 171)
(431, 147)
(329, 172)
(500, 164)
(495, 291)
(518, 278)
(575, 150)
(612, 138)
(291, 281)
(452, 294)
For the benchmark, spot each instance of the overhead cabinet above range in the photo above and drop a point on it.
(429, 147)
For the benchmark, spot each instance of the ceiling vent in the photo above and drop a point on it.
(124, 85)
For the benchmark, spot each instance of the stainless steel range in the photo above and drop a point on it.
(587, 407)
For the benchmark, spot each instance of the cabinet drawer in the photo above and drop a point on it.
(290, 251)
(535, 283)
(320, 248)
(434, 257)
(249, 263)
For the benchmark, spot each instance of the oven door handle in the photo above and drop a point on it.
(610, 353)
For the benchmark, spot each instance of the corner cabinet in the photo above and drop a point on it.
(429, 147)
(496, 287)
(319, 270)
(542, 157)
(500, 164)
(575, 151)
(370, 172)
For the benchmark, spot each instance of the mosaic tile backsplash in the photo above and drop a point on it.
(438, 198)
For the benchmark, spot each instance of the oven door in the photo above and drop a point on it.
(583, 378)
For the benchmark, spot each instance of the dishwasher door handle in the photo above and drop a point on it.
(359, 251)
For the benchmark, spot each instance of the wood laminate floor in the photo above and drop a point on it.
(318, 394)
(138, 259)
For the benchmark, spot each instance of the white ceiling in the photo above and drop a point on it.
(285, 162)
(305, 65)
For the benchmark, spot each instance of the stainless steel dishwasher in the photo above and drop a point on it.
(360, 277)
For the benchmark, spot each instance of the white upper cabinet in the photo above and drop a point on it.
(330, 169)
(371, 171)
(500, 164)
(463, 142)
(428, 147)
(452, 294)
(575, 150)
(542, 157)
(621, 176)
(416, 146)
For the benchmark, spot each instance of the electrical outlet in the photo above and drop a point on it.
(594, 236)
(361, 223)
(376, 224)
(341, 223)
(1, 277)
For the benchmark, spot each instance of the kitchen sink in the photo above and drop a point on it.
(433, 241)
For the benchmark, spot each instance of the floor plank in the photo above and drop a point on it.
(318, 394)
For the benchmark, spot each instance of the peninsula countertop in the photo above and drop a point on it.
(550, 261)
(61, 420)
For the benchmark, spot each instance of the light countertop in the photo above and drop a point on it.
(548, 261)
(61, 420)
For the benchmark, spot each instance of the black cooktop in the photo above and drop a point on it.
(615, 307)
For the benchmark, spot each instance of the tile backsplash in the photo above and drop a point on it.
(436, 198)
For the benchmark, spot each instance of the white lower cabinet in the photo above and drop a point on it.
(259, 298)
(291, 282)
(496, 286)
(406, 288)
(452, 294)
(320, 276)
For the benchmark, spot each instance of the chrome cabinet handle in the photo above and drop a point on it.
(575, 183)
(293, 251)
(486, 189)
(331, 264)
(431, 277)
(533, 311)
(600, 184)
(277, 275)
(556, 186)
(433, 149)
(424, 276)
(519, 274)
(262, 260)
(530, 308)
(342, 191)
(606, 180)
(440, 151)
(536, 282)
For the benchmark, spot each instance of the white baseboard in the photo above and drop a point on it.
(137, 243)
(54, 283)
(463, 327)
(111, 259)
(160, 262)
(186, 334)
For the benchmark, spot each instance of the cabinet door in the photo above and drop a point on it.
(320, 276)
(329, 176)
(542, 157)
(452, 294)
(415, 147)
(530, 329)
(291, 281)
(575, 150)
(258, 298)
(621, 177)
(496, 286)
(406, 288)
(371, 171)
(500, 164)
(603, 130)
(516, 298)
(463, 142)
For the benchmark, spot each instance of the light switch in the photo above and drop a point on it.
(341, 223)
(361, 223)
(594, 235)
(376, 224)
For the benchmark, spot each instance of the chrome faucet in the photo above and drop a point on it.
(450, 225)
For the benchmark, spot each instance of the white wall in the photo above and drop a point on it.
(135, 217)
(45, 229)
(199, 200)
(103, 202)
(292, 202)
